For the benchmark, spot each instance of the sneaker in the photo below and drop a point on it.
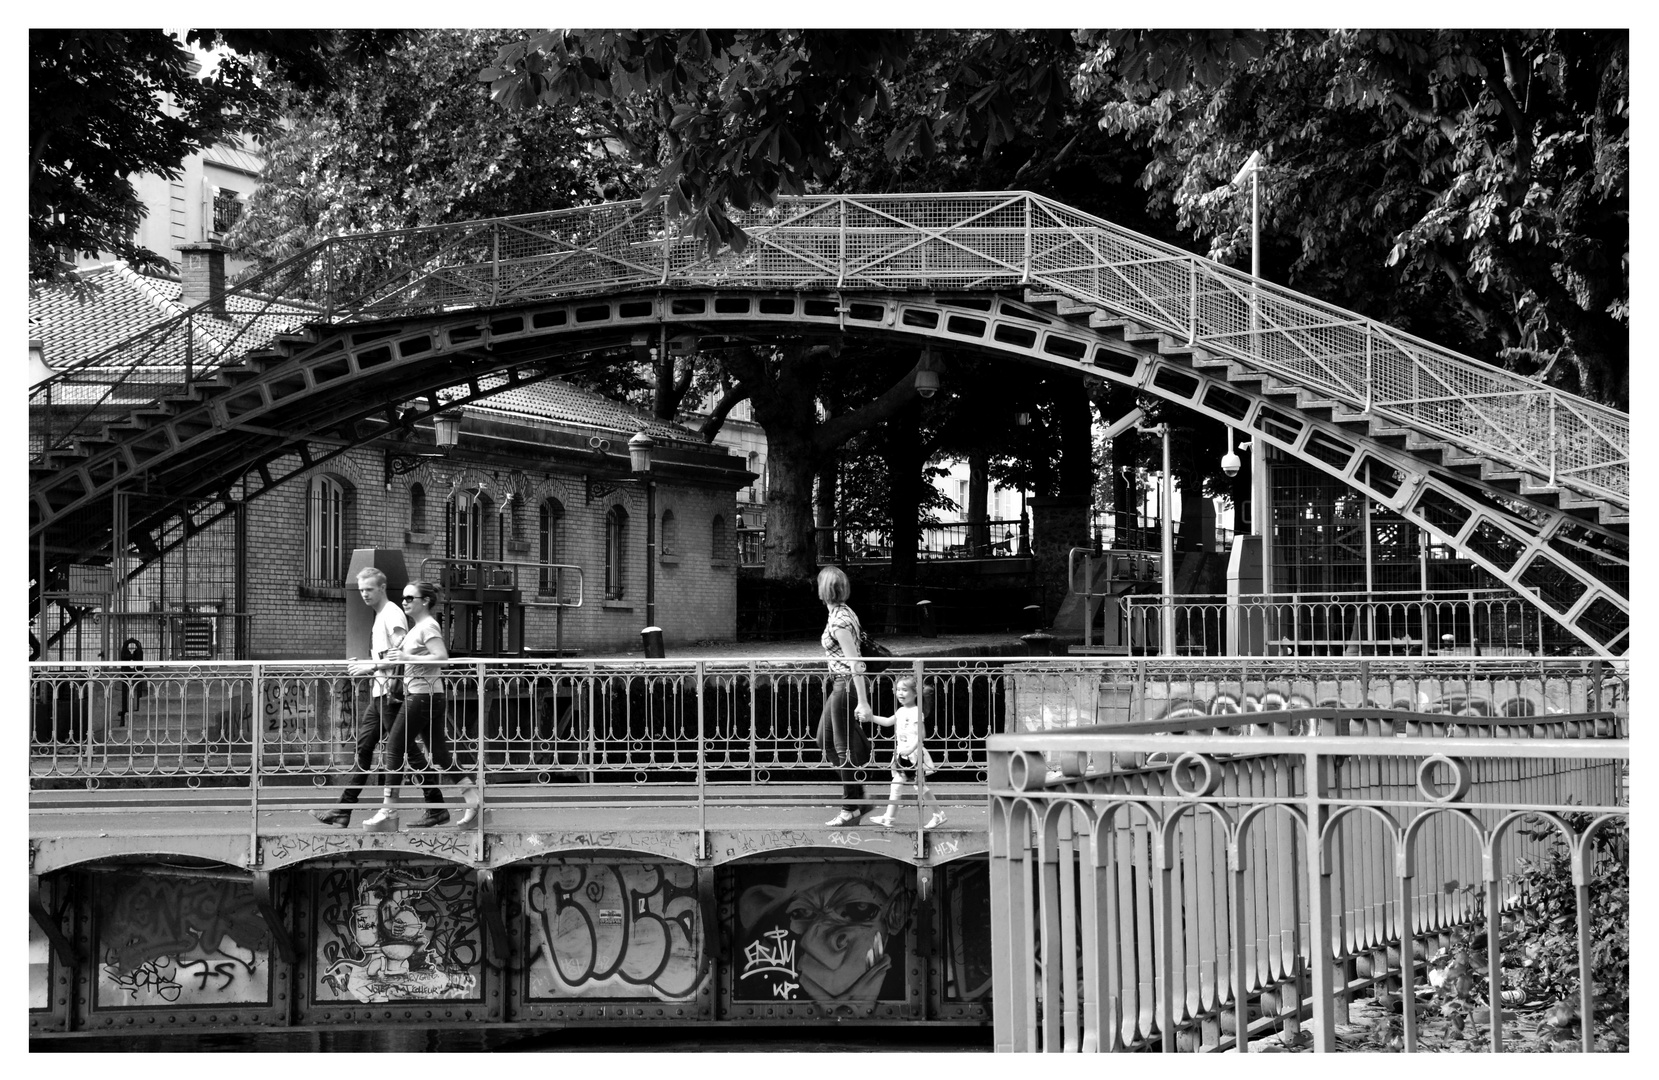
(384, 819)
(466, 817)
(883, 820)
(434, 816)
(936, 820)
(845, 817)
(340, 819)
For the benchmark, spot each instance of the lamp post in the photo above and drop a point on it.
(1167, 548)
(1261, 520)
(639, 459)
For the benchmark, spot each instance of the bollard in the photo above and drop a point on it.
(652, 636)
(1033, 616)
(1038, 644)
(924, 619)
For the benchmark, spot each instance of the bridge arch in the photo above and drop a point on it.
(316, 394)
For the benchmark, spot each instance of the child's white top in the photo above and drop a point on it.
(907, 726)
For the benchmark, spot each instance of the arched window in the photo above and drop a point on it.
(417, 508)
(720, 546)
(616, 553)
(668, 543)
(325, 533)
(549, 530)
(468, 512)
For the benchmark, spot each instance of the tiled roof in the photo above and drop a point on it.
(562, 403)
(77, 325)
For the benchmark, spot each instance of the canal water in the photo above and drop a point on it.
(683, 1040)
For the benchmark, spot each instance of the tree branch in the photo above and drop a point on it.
(1517, 120)
(717, 416)
(838, 429)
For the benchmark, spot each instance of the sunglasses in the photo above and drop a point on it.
(406, 599)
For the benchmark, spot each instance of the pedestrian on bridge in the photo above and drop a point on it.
(384, 689)
(841, 737)
(421, 720)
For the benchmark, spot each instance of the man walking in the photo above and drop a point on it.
(375, 721)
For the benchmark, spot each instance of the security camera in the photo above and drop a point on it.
(1230, 463)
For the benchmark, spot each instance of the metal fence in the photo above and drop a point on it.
(1484, 622)
(668, 722)
(1159, 889)
(922, 241)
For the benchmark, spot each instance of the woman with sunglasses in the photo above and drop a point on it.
(422, 716)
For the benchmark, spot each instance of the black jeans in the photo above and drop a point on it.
(372, 725)
(841, 740)
(422, 717)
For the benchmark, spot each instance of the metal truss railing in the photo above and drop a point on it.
(699, 725)
(1158, 885)
(925, 242)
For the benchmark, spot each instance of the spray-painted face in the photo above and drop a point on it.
(844, 926)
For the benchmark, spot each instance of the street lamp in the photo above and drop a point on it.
(639, 459)
(446, 430)
(1260, 519)
(1167, 547)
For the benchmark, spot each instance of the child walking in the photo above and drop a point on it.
(911, 763)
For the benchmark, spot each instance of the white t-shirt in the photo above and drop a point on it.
(907, 725)
(422, 678)
(387, 633)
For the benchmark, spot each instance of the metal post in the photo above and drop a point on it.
(1025, 277)
(650, 551)
(495, 263)
(1168, 552)
(256, 745)
(702, 767)
(1319, 909)
(479, 765)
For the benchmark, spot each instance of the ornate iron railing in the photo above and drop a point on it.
(1157, 886)
(889, 242)
(1489, 622)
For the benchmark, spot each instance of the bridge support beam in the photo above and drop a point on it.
(496, 946)
(48, 923)
(281, 939)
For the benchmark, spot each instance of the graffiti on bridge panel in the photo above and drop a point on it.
(397, 935)
(832, 933)
(180, 942)
(625, 930)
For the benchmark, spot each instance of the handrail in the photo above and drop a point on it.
(923, 241)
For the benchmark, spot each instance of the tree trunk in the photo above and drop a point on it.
(904, 487)
(790, 551)
(979, 483)
(824, 506)
(1076, 464)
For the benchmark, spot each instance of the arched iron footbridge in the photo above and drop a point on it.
(324, 351)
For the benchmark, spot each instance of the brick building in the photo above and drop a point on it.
(537, 479)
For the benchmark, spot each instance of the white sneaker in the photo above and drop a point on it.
(883, 820)
(845, 817)
(936, 820)
(466, 817)
(384, 818)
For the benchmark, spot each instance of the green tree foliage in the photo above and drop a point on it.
(412, 139)
(105, 105)
(743, 115)
(1472, 186)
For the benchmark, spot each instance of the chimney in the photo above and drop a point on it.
(202, 273)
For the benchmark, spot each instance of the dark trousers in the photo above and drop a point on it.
(841, 740)
(372, 725)
(422, 717)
